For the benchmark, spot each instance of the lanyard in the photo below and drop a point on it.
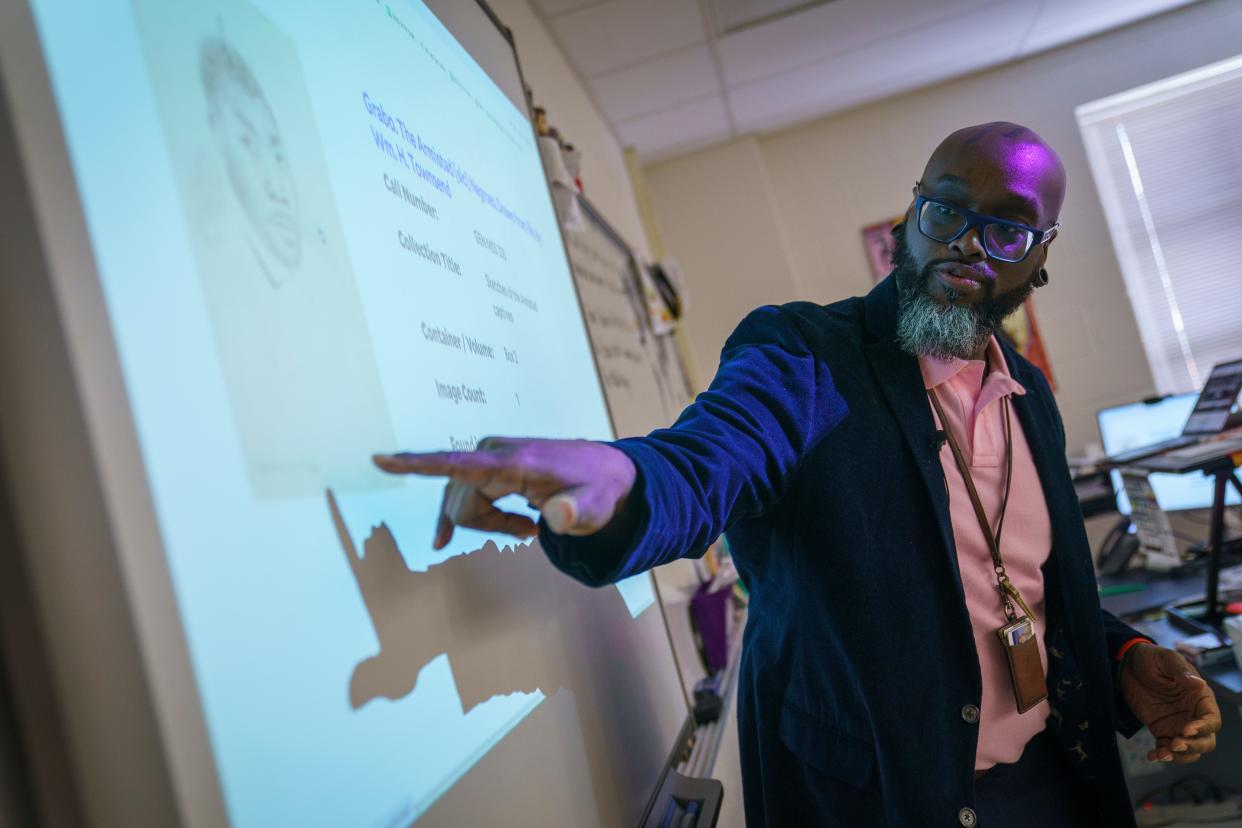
(1009, 592)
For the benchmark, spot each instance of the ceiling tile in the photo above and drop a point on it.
(876, 71)
(841, 26)
(622, 33)
(649, 65)
(656, 85)
(1063, 21)
(692, 125)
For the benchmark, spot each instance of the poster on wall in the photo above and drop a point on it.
(1022, 332)
(878, 244)
(1019, 328)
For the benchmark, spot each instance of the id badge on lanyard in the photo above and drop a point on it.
(1017, 635)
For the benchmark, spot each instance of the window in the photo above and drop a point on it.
(1167, 160)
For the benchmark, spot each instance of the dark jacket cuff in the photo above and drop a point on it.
(1116, 634)
(600, 559)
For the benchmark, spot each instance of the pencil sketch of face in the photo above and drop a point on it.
(249, 140)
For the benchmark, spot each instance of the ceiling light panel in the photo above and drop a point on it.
(554, 7)
(731, 16)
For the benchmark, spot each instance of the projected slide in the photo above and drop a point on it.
(322, 232)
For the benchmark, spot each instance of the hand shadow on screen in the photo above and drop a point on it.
(503, 616)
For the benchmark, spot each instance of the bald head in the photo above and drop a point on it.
(1003, 156)
(955, 290)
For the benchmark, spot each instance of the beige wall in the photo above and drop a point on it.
(778, 217)
(716, 216)
(571, 110)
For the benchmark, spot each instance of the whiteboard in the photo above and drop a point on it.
(644, 382)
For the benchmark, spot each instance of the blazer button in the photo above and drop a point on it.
(967, 818)
(970, 714)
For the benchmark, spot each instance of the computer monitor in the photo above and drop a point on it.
(1137, 424)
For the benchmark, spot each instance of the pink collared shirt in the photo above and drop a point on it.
(972, 406)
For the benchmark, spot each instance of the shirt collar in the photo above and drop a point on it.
(938, 371)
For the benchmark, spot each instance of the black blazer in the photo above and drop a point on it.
(814, 448)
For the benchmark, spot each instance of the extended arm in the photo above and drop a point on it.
(728, 456)
(611, 510)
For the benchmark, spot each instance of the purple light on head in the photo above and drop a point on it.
(1029, 159)
(1033, 172)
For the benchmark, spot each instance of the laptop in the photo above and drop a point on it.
(1140, 423)
(1209, 415)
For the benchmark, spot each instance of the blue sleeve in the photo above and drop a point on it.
(729, 456)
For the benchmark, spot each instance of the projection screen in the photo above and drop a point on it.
(270, 238)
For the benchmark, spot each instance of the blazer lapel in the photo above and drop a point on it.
(898, 376)
(1041, 430)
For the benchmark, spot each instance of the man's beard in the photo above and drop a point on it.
(927, 328)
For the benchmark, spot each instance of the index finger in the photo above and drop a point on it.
(473, 467)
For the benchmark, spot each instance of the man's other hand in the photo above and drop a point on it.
(1167, 694)
(577, 485)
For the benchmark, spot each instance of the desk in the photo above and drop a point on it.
(1217, 460)
(1159, 589)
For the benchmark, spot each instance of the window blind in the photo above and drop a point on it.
(1167, 162)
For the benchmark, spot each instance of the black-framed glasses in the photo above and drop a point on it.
(1006, 241)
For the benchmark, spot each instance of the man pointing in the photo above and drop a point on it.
(925, 643)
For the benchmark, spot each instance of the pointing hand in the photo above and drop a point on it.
(577, 485)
